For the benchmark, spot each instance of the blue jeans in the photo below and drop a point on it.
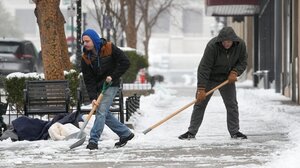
(104, 116)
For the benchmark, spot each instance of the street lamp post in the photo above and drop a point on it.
(71, 13)
(78, 21)
(84, 21)
(107, 24)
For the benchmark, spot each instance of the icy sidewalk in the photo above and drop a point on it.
(270, 120)
(263, 117)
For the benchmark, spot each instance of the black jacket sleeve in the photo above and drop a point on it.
(241, 64)
(205, 66)
(90, 82)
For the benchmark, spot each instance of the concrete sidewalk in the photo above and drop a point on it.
(212, 148)
(253, 152)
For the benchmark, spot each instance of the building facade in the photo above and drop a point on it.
(271, 31)
(178, 41)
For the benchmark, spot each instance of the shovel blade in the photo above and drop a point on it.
(76, 135)
(78, 143)
(72, 136)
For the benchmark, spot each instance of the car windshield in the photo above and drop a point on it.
(8, 47)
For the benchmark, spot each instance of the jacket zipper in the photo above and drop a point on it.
(227, 55)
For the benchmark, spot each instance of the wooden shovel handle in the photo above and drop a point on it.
(183, 108)
(217, 87)
(94, 108)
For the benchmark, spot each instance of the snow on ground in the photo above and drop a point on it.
(270, 120)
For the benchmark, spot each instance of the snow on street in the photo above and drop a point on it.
(270, 120)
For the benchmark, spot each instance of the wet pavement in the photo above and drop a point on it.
(212, 148)
(221, 153)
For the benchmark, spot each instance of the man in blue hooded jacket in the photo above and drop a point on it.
(224, 58)
(103, 62)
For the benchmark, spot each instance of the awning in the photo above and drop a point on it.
(232, 7)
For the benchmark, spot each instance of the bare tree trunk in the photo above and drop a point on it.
(149, 22)
(115, 23)
(63, 42)
(99, 15)
(146, 27)
(125, 16)
(47, 13)
(130, 30)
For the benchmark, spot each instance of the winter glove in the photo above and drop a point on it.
(201, 94)
(232, 77)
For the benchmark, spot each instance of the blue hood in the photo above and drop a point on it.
(95, 38)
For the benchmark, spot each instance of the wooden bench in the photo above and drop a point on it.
(117, 106)
(46, 97)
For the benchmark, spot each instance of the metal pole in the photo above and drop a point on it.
(266, 79)
(72, 29)
(78, 21)
(84, 21)
(278, 41)
(108, 34)
(256, 50)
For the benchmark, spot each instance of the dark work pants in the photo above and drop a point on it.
(228, 93)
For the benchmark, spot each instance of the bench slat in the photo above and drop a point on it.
(46, 97)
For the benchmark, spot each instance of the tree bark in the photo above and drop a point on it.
(145, 10)
(53, 42)
(63, 42)
(130, 30)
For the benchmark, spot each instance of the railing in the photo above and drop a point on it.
(130, 89)
(132, 104)
(3, 126)
(137, 86)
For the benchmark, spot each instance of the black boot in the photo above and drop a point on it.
(92, 146)
(123, 141)
(239, 135)
(187, 136)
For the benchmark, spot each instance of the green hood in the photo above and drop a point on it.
(227, 33)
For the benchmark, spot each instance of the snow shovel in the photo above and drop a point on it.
(81, 134)
(183, 108)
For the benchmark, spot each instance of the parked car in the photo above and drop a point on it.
(18, 56)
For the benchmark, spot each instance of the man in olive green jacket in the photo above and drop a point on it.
(225, 57)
